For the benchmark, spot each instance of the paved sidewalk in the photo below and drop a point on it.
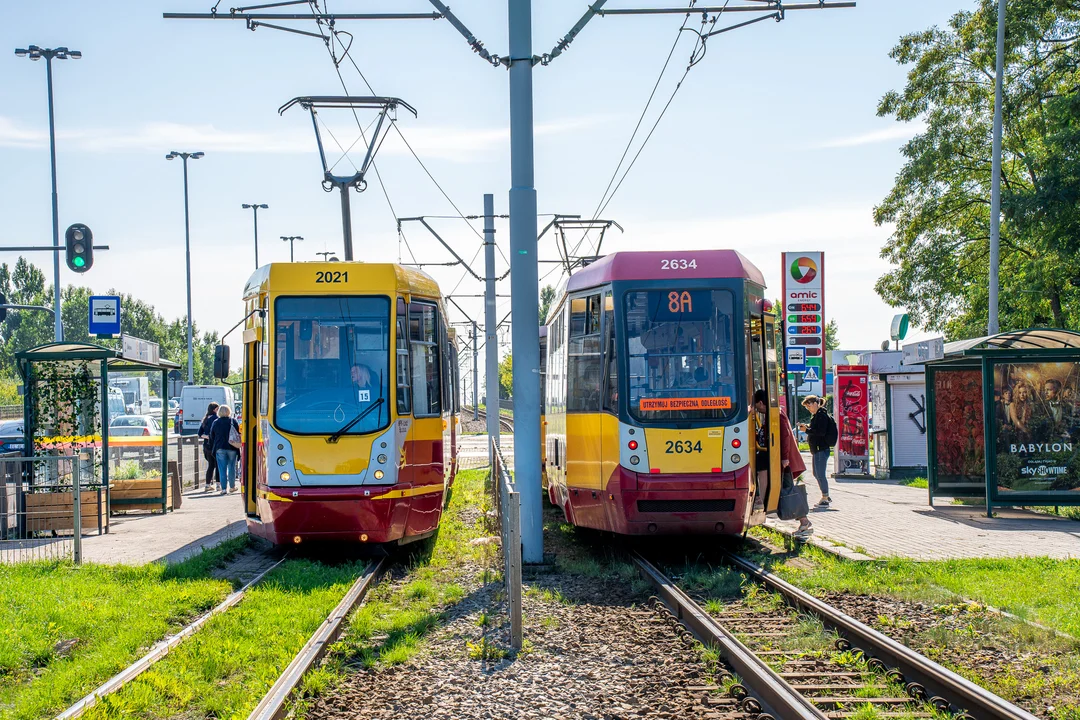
(884, 518)
(204, 520)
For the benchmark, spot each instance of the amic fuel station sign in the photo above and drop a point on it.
(804, 319)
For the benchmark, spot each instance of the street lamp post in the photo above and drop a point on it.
(992, 325)
(255, 212)
(61, 53)
(290, 239)
(187, 253)
(327, 256)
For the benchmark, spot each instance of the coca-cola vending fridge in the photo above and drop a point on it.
(851, 404)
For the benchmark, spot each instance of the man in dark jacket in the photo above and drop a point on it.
(817, 436)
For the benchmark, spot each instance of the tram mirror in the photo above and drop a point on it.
(221, 362)
(305, 330)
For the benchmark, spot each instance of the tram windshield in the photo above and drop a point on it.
(332, 364)
(680, 355)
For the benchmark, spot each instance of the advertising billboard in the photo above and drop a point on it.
(804, 318)
(852, 405)
(958, 429)
(1037, 426)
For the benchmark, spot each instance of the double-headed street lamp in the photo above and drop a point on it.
(187, 252)
(61, 53)
(255, 207)
(290, 239)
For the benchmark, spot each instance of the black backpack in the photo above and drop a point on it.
(832, 433)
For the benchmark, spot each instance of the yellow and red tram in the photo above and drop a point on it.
(653, 359)
(349, 403)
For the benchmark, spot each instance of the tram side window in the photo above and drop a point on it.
(584, 367)
(264, 364)
(611, 357)
(404, 387)
(424, 347)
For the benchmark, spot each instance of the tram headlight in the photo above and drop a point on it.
(634, 459)
(285, 477)
(736, 458)
(736, 443)
(281, 460)
(632, 444)
(381, 459)
(378, 474)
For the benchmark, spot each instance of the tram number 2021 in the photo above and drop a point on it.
(678, 264)
(682, 447)
(331, 276)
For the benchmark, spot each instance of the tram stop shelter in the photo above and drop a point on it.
(67, 412)
(1003, 416)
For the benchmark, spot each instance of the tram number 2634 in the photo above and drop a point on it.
(682, 447)
(678, 264)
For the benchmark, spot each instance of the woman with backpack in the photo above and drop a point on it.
(821, 434)
(225, 440)
(208, 448)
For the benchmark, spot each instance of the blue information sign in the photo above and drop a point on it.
(105, 315)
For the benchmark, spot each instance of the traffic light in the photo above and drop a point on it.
(80, 248)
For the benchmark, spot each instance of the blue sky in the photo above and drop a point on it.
(772, 144)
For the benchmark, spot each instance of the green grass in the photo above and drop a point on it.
(65, 629)
(224, 669)
(919, 482)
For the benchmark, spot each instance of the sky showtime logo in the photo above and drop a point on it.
(803, 270)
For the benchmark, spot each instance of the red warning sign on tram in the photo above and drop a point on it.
(691, 403)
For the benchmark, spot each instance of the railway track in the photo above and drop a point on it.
(507, 423)
(867, 669)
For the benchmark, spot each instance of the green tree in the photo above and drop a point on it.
(506, 377)
(832, 336)
(547, 296)
(23, 284)
(940, 202)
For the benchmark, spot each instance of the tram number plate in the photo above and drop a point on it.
(678, 264)
(331, 276)
(682, 447)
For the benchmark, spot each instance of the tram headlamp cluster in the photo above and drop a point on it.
(285, 477)
(736, 458)
(736, 443)
(281, 460)
(381, 459)
(632, 444)
(634, 459)
(378, 474)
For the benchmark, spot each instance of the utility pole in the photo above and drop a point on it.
(290, 239)
(491, 341)
(255, 207)
(523, 284)
(992, 327)
(61, 53)
(185, 156)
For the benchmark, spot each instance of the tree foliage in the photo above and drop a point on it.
(940, 202)
(24, 284)
(547, 296)
(506, 377)
(832, 336)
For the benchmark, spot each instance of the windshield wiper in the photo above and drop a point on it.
(337, 436)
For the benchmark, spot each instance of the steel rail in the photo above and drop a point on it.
(506, 422)
(272, 705)
(778, 699)
(937, 683)
(158, 651)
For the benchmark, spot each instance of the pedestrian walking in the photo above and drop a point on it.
(207, 446)
(225, 436)
(790, 457)
(821, 434)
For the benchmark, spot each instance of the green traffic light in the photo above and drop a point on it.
(78, 262)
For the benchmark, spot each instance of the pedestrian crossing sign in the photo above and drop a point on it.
(811, 374)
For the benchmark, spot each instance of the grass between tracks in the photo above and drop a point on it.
(1014, 659)
(389, 627)
(65, 628)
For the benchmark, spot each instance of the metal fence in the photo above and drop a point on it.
(508, 505)
(45, 508)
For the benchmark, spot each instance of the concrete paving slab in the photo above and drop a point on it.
(885, 519)
(204, 520)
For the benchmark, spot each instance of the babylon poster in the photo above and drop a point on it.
(1037, 416)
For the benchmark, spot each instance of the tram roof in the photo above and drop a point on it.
(299, 277)
(647, 266)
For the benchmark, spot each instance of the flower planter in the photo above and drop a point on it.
(55, 511)
(148, 489)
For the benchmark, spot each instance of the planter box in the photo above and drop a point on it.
(55, 511)
(139, 489)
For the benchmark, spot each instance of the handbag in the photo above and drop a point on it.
(793, 502)
(234, 436)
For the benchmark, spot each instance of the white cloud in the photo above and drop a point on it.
(900, 132)
(449, 143)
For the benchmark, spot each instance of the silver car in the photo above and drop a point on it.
(134, 425)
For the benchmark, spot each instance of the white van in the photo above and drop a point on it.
(193, 402)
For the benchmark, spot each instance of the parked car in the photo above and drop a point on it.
(11, 436)
(134, 425)
(174, 404)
